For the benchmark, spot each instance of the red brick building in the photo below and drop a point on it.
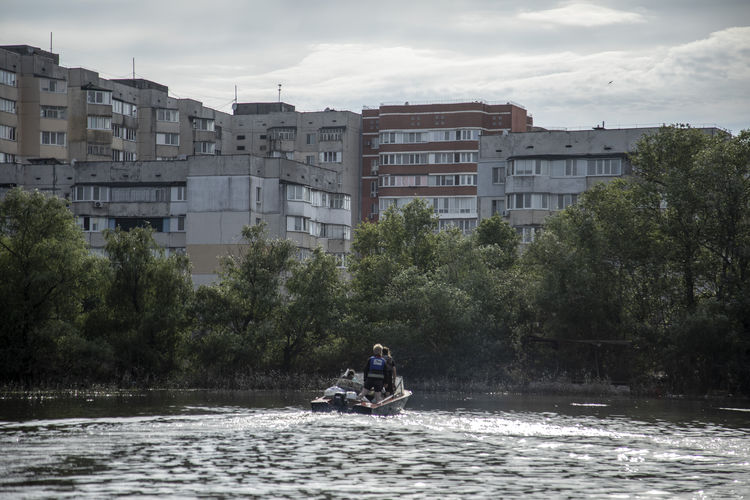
(430, 151)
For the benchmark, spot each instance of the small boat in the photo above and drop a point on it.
(343, 396)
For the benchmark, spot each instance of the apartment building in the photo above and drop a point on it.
(527, 177)
(72, 114)
(430, 151)
(328, 139)
(199, 205)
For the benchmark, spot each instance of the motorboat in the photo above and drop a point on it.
(344, 397)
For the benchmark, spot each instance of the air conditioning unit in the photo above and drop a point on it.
(505, 213)
(98, 204)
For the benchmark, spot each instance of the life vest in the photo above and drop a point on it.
(376, 367)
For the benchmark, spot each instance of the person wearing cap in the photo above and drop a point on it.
(375, 373)
(390, 372)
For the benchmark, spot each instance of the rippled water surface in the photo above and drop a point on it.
(189, 444)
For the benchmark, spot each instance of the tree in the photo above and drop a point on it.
(666, 163)
(494, 231)
(236, 319)
(313, 308)
(145, 307)
(44, 266)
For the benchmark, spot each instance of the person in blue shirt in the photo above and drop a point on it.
(375, 371)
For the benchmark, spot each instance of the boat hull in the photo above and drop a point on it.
(389, 406)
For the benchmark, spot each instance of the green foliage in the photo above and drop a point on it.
(144, 311)
(236, 320)
(43, 264)
(313, 308)
(644, 278)
(659, 260)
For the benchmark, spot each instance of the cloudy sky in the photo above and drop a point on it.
(569, 63)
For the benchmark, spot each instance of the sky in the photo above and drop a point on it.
(571, 64)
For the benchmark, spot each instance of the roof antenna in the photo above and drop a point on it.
(50, 41)
(279, 92)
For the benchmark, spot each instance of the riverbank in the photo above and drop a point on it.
(304, 382)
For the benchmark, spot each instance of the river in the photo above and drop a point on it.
(269, 445)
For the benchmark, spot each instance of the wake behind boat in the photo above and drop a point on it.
(343, 396)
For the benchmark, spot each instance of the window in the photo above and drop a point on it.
(7, 78)
(91, 224)
(8, 133)
(240, 137)
(179, 193)
(283, 133)
(524, 167)
(467, 135)
(54, 86)
(528, 201)
(90, 193)
(181, 223)
(455, 205)
(139, 194)
(465, 225)
(99, 149)
(453, 180)
(240, 148)
(7, 158)
(403, 180)
(130, 134)
(335, 231)
(310, 159)
(330, 157)
(498, 207)
(167, 115)
(498, 175)
(387, 137)
(258, 195)
(99, 97)
(404, 159)
(55, 112)
(123, 108)
(99, 122)
(374, 167)
(295, 192)
(528, 233)
(331, 134)
(207, 148)
(340, 201)
(53, 138)
(563, 201)
(7, 105)
(168, 139)
(373, 189)
(340, 259)
(204, 124)
(296, 224)
(310, 139)
(604, 166)
(119, 155)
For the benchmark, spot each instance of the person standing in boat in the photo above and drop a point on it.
(390, 372)
(375, 373)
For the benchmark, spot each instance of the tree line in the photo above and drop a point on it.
(644, 280)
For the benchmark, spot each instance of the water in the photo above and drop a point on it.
(269, 445)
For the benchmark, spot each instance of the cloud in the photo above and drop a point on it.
(582, 14)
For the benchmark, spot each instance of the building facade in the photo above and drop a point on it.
(199, 205)
(328, 139)
(527, 177)
(430, 151)
(72, 114)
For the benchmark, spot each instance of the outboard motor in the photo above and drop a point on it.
(339, 400)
